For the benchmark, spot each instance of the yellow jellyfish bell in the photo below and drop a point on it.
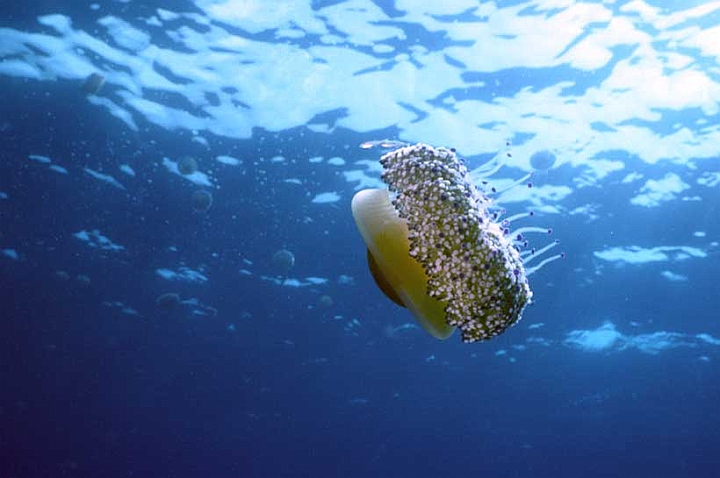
(396, 273)
(434, 248)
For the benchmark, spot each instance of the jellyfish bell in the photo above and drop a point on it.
(542, 160)
(201, 201)
(93, 83)
(325, 301)
(62, 275)
(434, 247)
(168, 300)
(187, 165)
(283, 260)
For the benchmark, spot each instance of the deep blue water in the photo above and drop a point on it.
(293, 389)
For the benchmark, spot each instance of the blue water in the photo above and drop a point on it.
(612, 371)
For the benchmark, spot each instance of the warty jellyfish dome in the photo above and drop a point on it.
(434, 247)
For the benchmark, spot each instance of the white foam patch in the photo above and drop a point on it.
(537, 196)
(97, 240)
(324, 198)
(115, 110)
(352, 16)
(631, 178)
(336, 161)
(200, 309)
(11, 253)
(673, 277)
(366, 178)
(655, 192)
(709, 179)
(296, 282)
(229, 160)
(639, 255)
(40, 158)
(122, 308)
(106, 178)
(596, 170)
(125, 168)
(124, 34)
(606, 338)
(182, 274)
(360, 63)
(540, 341)
(709, 339)
(58, 169)
(255, 16)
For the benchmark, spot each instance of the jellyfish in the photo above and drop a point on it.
(93, 83)
(201, 201)
(83, 279)
(325, 301)
(168, 300)
(283, 260)
(62, 275)
(187, 165)
(542, 160)
(434, 247)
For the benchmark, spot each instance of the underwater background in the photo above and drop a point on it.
(149, 327)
